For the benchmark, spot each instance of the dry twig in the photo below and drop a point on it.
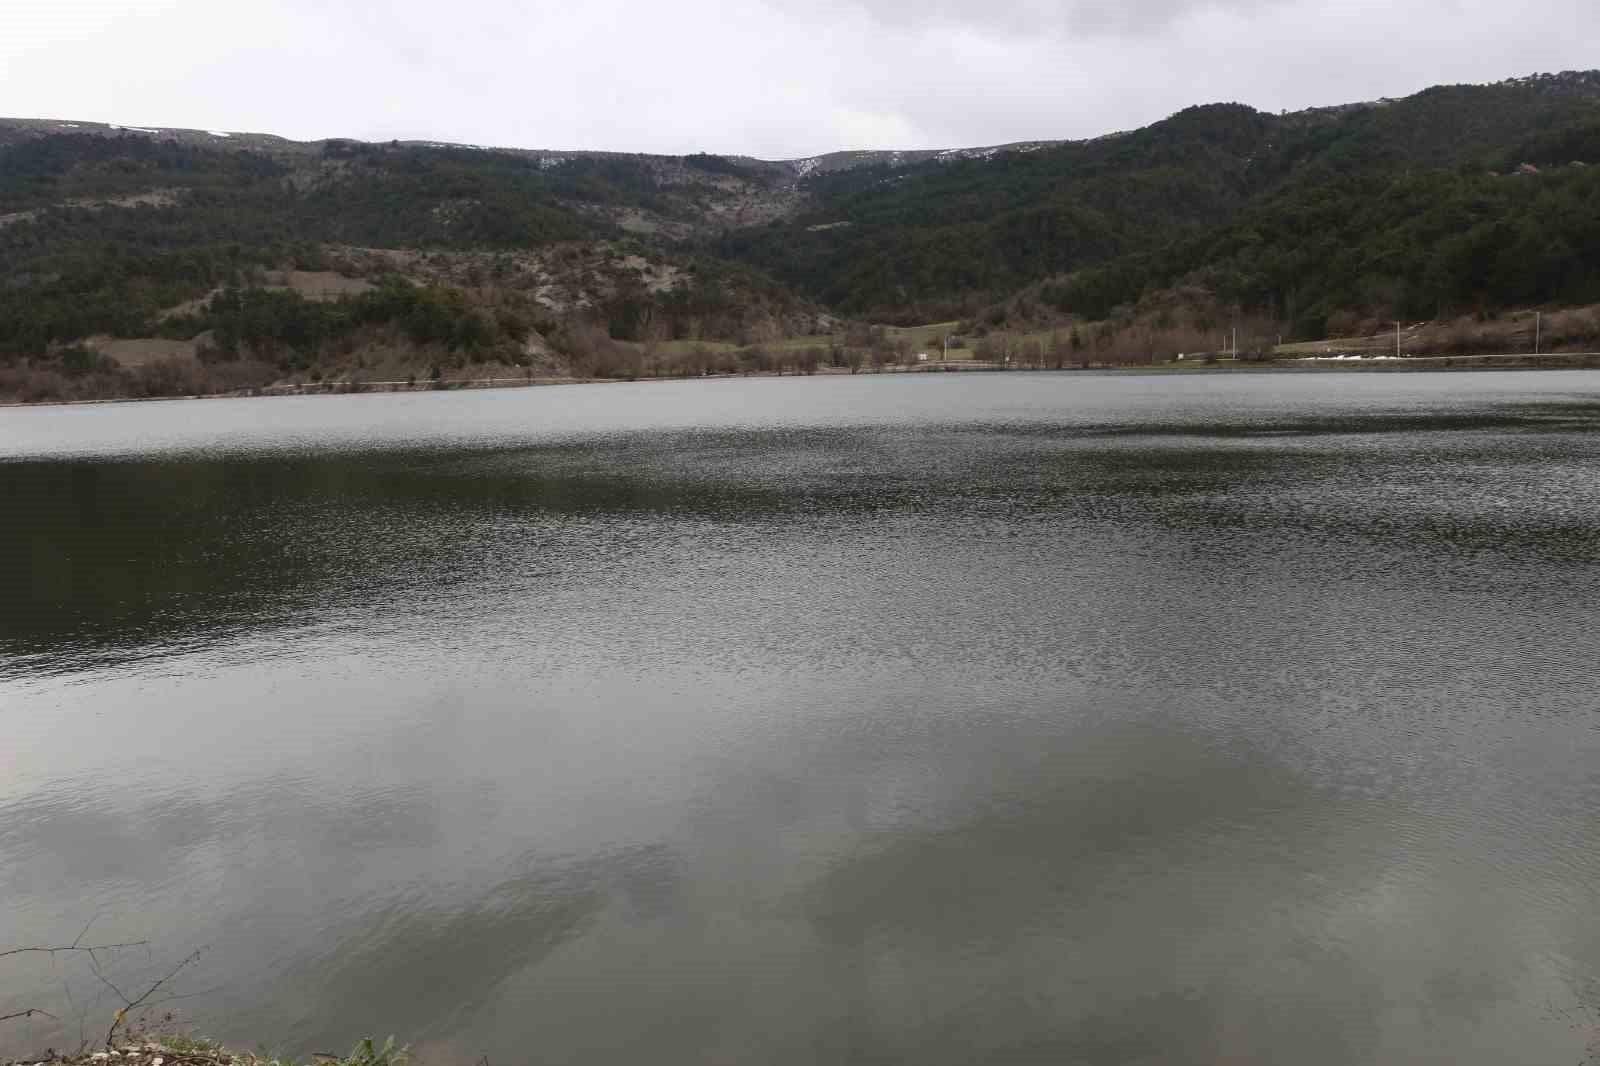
(131, 1004)
(76, 945)
(29, 1013)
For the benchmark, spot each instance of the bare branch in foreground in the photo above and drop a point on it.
(29, 1013)
(76, 945)
(130, 1005)
(90, 949)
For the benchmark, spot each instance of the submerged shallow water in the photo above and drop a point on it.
(934, 719)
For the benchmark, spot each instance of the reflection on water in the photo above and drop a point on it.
(1008, 718)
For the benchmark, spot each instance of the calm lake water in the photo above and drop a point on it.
(1001, 718)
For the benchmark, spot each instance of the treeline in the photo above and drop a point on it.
(858, 347)
(590, 352)
(79, 374)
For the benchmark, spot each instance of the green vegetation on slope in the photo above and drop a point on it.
(1460, 199)
(1413, 246)
(932, 237)
(943, 237)
(76, 261)
(50, 170)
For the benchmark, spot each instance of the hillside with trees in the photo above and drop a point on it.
(472, 255)
(258, 259)
(940, 240)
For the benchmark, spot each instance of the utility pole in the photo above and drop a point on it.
(1236, 344)
(1538, 323)
(1397, 340)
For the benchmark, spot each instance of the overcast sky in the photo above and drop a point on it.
(771, 78)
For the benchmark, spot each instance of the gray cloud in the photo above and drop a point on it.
(776, 78)
(1058, 18)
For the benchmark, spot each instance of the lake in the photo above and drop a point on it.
(1004, 718)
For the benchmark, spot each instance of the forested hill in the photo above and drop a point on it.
(110, 233)
(935, 240)
(310, 257)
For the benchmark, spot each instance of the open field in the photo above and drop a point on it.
(928, 338)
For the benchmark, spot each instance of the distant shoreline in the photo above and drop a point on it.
(1409, 364)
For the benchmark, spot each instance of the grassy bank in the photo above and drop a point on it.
(179, 1050)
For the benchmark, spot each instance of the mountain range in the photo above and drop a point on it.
(257, 258)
